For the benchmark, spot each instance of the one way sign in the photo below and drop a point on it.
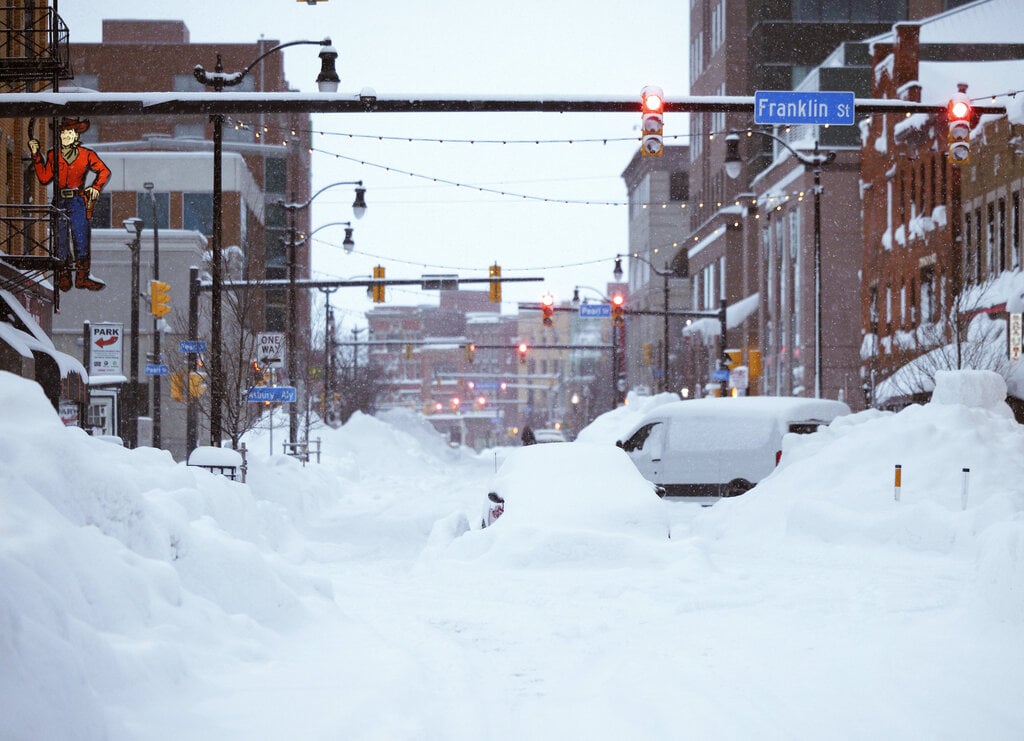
(270, 349)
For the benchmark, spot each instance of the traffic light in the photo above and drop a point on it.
(494, 287)
(522, 350)
(652, 105)
(648, 353)
(618, 309)
(735, 358)
(378, 288)
(159, 298)
(958, 114)
(408, 351)
(257, 374)
(547, 305)
(470, 352)
(196, 385)
(178, 386)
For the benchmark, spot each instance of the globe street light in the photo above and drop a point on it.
(814, 162)
(358, 210)
(327, 82)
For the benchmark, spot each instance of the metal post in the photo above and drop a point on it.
(216, 377)
(664, 339)
(132, 438)
(290, 324)
(817, 274)
(191, 426)
(724, 340)
(156, 323)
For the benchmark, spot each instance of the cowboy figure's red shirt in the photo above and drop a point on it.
(72, 174)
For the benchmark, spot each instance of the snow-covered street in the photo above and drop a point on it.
(348, 600)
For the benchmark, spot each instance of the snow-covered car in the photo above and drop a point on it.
(575, 485)
(719, 447)
(550, 436)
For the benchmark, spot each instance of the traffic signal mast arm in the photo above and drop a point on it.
(49, 105)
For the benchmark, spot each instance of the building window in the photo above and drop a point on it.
(1015, 231)
(1002, 234)
(927, 297)
(198, 213)
(144, 208)
(276, 174)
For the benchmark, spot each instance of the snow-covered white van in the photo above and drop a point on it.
(719, 447)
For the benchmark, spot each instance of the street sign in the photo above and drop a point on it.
(595, 311)
(789, 107)
(270, 349)
(105, 346)
(260, 394)
(722, 374)
(739, 377)
(486, 385)
(157, 369)
(192, 346)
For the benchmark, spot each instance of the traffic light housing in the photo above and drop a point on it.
(618, 309)
(522, 349)
(735, 359)
(159, 298)
(652, 108)
(648, 351)
(959, 113)
(547, 306)
(494, 287)
(378, 288)
(470, 352)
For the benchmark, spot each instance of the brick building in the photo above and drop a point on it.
(935, 232)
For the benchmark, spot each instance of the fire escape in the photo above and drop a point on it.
(34, 55)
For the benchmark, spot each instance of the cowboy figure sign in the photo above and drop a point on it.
(74, 197)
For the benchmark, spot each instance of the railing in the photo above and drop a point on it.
(34, 45)
(27, 233)
(302, 449)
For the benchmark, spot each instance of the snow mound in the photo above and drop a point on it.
(961, 487)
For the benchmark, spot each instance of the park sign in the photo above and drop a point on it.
(792, 108)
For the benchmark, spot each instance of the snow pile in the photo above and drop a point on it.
(839, 485)
(611, 426)
(144, 599)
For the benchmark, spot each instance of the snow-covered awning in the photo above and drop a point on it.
(735, 315)
(29, 338)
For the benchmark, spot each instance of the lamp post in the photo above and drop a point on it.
(156, 320)
(358, 210)
(134, 226)
(327, 81)
(665, 274)
(814, 162)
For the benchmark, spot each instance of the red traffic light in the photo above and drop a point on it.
(547, 305)
(653, 99)
(959, 107)
(618, 300)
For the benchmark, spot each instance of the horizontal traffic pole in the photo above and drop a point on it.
(82, 104)
(237, 285)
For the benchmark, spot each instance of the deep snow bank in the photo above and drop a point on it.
(838, 485)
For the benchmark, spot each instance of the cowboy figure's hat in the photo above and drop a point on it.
(81, 125)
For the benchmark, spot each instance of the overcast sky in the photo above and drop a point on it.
(414, 225)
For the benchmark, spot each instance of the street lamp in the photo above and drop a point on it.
(814, 162)
(134, 226)
(358, 210)
(348, 244)
(327, 82)
(156, 320)
(665, 273)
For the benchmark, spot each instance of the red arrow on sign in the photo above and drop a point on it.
(101, 342)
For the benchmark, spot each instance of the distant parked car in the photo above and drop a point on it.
(550, 436)
(574, 486)
(719, 447)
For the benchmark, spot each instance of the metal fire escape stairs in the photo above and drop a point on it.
(35, 53)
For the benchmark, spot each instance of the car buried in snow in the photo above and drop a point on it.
(574, 486)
